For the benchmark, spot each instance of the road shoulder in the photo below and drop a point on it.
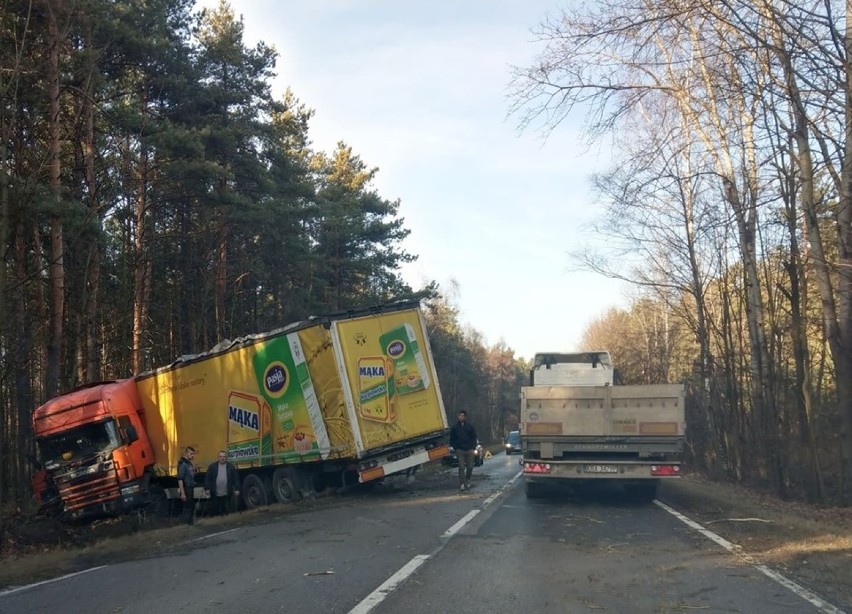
(811, 545)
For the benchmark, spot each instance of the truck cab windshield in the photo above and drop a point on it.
(79, 442)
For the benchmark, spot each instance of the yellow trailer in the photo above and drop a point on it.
(346, 398)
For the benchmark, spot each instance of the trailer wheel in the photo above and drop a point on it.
(254, 492)
(285, 485)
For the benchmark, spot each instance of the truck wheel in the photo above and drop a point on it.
(285, 485)
(157, 505)
(254, 492)
(531, 490)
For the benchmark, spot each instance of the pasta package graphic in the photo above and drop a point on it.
(407, 363)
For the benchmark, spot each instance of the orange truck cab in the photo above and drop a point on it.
(94, 449)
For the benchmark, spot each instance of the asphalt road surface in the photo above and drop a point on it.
(423, 546)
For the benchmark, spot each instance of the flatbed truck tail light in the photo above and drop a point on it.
(665, 470)
(536, 467)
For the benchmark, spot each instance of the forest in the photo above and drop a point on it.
(157, 197)
(728, 208)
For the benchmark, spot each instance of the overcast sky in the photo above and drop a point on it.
(419, 90)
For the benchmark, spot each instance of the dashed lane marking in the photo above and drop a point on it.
(389, 585)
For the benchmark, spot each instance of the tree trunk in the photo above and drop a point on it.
(91, 307)
(141, 262)
(843, 357)
(798, 298)
(836, 303)
(221, 273)
(22, 369)
(56, 265)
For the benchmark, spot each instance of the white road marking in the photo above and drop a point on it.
(378, 595)
(460, 524)
(79, 573)
(812, 598)
(388, 586)
(198, 539)
(43, 582)
(514, 479)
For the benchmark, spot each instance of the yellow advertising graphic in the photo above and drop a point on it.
(409, 367)
(257, 402)
(285, 382)
(389, 378)
(319, 357)
(282, 399)
(376, 389)
(249, 427)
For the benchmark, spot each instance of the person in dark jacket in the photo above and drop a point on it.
(463, 439)
(221, 482)
(186, 484)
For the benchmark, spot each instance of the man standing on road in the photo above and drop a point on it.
(186, 484)
(221, 483)
(463, 439)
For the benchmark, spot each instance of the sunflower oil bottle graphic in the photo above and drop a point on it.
(376, 389)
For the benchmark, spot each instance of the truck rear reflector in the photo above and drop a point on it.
(439, 452)
(371, 474)
(658, 428)
(543, 428)
(536, 467)
(665, 470)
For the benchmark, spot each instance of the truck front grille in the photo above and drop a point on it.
(85, 486)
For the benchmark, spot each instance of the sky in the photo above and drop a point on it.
(420, 90)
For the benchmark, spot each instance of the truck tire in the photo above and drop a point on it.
(532, 490)
(157, 505)
(254, 492)
(285, 485)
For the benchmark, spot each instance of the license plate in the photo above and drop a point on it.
(600, 469)
(400, 455)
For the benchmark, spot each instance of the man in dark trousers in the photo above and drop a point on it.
(221, 482)
(186, 484)
(463, 439)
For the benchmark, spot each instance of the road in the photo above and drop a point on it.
(425, 547)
